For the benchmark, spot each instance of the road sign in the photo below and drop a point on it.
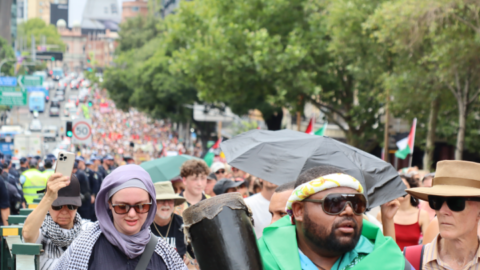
(82, 131)
(8, 81)
(29, 80)
(13, 96)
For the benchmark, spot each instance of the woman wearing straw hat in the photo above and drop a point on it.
(121, 238)
(455, 197)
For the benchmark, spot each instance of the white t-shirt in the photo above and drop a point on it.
(261, 216)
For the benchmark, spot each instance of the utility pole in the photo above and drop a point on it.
(34, 55)
(386, 135)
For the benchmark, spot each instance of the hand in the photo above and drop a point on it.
(56, 182)
(389, 209)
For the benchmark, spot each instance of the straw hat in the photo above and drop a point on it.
(164, 191)
(453, 178)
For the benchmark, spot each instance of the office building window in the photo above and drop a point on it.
(114, 8)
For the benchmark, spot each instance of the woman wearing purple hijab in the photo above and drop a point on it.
(117, 240)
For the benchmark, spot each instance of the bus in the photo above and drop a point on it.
(58, 74)
(7, 142)
(36, 101)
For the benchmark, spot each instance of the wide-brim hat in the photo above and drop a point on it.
(164, 191)
(453, 178)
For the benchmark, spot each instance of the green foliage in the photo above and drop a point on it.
(38, 28)
(6, 52)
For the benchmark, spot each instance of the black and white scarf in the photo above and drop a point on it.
(78, 254)
(58, 236)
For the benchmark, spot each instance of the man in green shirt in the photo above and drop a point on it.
(324, 228)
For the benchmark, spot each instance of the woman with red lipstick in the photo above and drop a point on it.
(121, 238)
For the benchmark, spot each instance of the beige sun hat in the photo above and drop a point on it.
(453, 178)
(164, 191)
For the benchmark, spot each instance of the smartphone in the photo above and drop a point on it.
(65, 163)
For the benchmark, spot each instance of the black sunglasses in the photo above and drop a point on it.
(69, 206)
(335, 203)
(220, 171)
(456, 204)
(140, 208)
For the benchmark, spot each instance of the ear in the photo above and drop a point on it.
(298, 208)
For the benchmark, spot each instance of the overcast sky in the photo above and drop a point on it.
(75, 9)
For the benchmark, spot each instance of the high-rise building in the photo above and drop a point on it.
(40, 9)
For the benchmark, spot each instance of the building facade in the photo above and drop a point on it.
(133, 9)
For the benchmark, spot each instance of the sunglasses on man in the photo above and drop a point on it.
(69, 206)
(456, 204)
(140, 208)
(220, 171)
(335, 203)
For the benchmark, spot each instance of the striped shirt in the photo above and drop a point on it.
(431, 260)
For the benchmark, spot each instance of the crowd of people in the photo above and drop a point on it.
(111, 214)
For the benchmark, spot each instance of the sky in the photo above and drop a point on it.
(75, 9)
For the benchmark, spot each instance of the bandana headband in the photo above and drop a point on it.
(319, 184)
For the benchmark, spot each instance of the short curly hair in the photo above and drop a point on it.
(194, 167)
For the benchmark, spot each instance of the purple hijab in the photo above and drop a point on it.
(131, 245)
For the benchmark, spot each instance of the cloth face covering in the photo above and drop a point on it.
(59, 237)
(319, 184)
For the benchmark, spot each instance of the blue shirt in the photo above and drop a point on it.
(363, 248)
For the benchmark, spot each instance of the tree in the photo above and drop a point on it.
(450, 28)
(7, 55)
(39, 29)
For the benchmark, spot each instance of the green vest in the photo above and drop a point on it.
(34, 181)
(47, 173)
(279, 249)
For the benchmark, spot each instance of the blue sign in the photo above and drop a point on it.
(36, 89)
(6, 148)
(8, 81)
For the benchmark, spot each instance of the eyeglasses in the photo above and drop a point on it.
(220, 171)
(335, 203)
(69, 206)
(140, 208)
(456, 204)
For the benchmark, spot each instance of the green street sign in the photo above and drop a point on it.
(29, 80)
(13, 96)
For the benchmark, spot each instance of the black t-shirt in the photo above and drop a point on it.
(175, 237)
(107, 256)
(4, 198)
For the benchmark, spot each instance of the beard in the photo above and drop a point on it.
(164, 215)
(317, 234)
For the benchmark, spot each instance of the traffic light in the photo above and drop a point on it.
(68, 130)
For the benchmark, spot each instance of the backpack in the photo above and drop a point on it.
(414, 254)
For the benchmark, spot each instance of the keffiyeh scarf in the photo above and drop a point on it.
(319, 184)
(59, 236)
(78, 254)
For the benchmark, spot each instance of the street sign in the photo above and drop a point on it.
(82, 131)
(29, 80)
(8, 81)
(13, 96)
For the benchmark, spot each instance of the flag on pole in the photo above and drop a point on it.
(309, 129)
(321, 131)
(405, 145)
(210, 156)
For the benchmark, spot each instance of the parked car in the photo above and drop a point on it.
(35, 126)
(54, 111)
(55, 102)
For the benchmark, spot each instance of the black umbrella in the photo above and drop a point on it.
(281, 156)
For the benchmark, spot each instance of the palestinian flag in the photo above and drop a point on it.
(405, 145)
(210, 156)
(309, 129)
(321, 131)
